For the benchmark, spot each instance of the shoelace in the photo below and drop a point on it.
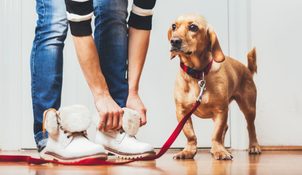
(73, 134)
(123, 132)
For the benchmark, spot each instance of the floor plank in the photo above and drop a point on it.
(269, 162)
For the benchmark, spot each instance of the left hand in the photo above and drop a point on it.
(134, 102)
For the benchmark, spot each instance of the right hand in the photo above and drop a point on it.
(134, 102)
(110, 113)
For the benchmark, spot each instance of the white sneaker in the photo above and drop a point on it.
(123, 143)
(67, 141)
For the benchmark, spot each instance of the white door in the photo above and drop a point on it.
(157, 81)
(276, 31)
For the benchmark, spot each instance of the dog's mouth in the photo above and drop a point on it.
(180, 50)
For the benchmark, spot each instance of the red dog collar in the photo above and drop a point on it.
(197, 74)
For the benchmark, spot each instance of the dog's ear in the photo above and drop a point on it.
(169, 33)
(173, 55)
(217, 53)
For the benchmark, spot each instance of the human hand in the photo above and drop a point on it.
(110, 113)
(134, 102)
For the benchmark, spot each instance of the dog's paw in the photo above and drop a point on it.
(185, 154)
(254, 149)
(222, 154)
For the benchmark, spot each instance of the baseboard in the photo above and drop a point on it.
(263, 148)
(281, 148)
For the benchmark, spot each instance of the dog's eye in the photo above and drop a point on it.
(193, 28)
(173, 27)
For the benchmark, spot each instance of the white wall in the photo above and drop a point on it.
(274, 28)
(10, 74)
(239, 45)
(276, 31)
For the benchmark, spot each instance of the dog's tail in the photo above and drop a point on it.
(252, 61)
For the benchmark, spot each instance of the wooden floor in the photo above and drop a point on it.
(268, 163)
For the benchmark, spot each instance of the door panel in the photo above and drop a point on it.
(279, 70)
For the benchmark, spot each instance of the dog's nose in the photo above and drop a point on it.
(176, 42)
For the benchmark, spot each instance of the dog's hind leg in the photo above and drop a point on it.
(247, 104)
(224, 133)
(191, 148)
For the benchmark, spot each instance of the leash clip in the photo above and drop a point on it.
(202, 86)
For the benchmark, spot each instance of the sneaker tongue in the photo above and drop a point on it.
(78, 134)
(118, 136)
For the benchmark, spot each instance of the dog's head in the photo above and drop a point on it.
(191, 36)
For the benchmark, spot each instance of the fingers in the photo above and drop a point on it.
(117, 119)
(143, 113)
(103, 121)
(111, 120)
(134, 102)
(120, 122)
(110, 113)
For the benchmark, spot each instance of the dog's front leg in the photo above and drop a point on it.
(218, 150)
(191, 148)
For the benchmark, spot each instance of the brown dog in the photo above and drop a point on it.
(197, 46)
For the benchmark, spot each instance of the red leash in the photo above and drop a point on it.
(96, 161)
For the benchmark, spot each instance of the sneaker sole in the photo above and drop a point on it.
(129, 156)
(55, 157)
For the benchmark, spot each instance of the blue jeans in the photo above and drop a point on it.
(46, 61)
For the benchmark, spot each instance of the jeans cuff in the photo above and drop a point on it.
(41, 140)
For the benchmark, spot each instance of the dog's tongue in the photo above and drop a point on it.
(173, 55)
(188, 53)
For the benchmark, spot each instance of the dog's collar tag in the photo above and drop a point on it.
(202, 86)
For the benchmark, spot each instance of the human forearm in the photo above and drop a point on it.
(79, 15)
(138, 46)
(110, 113)
(89, 62)
(140, 22)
